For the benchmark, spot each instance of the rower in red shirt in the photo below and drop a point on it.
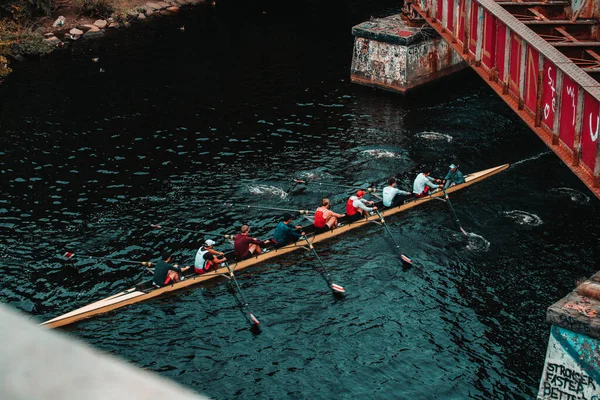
(324, 217)
(356, 206)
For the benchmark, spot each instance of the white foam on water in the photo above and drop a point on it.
(431, 135)
(377, 153)
(268, 190)
(313, 175)
(575, 195)
(523, 217)
(476, 242)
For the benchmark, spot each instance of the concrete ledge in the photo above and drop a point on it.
(579, 311)
(37, 363)
(394, 30)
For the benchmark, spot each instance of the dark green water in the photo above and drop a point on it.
(229, 110)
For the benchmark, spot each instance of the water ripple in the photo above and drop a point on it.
(434, 136)
(524, 218)
(575, 195)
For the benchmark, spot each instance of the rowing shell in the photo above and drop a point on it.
(145, 291)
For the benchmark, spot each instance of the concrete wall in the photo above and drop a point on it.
(381, 64)
(572, 366)
(430, 60)
(572, 369)
(37, 363)
(392, 54)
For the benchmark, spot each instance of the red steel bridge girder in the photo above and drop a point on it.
(554, 97)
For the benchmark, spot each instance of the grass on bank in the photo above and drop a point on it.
(21, 33)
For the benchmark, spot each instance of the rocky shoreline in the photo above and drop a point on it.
(60, 34)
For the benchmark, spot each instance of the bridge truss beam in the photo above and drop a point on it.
(549, 90)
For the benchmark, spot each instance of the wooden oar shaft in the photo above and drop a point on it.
(403, 257)
(334, 287)
(369, 188)
(269, 208)
(453, 211)
(144, 263)
(156, 226)
(312, 248)
(236, 284)
(387, 229)
(244, 302)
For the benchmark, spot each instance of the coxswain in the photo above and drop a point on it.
(453, 177)
(356, 206)
(324, 217)
(245, 246)
(207, 257)
(391, 194)
(165, 273)
(424, 184)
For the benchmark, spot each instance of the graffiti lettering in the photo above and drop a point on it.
(556, 393)
(567, 321)
(547, 111)
(566, 376)
(594, 135)
(565, 383)
(571, 93)
(553, 88)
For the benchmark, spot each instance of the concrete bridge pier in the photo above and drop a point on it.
(572, 366)
(391, 53)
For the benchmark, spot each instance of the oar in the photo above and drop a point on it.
(268, 208)
(243, 301)
(369, 189)
(405, 259)
(147, 264)
(453, 212)
(68, 255)
(336, 288)
(156, 226)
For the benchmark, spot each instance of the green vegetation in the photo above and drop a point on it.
(18, 40)
(96, 8)
(17, 36)
(4, 69)
(18, 19)
(24, 11)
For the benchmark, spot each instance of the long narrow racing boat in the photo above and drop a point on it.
(147, 290)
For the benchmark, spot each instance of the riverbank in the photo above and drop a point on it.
(67, 23)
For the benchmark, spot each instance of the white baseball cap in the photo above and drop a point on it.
(209, 243)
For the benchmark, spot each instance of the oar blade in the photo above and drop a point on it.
(405, 259)
(68, 255)
(254, 319)
(337, 288)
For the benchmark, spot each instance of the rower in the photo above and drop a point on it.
(285, 233)
(453, 177)
(356, 206)
(391, 194)
(424, 183)
(203, 262)
(165, 273)
(324, 217)
(245, 246)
